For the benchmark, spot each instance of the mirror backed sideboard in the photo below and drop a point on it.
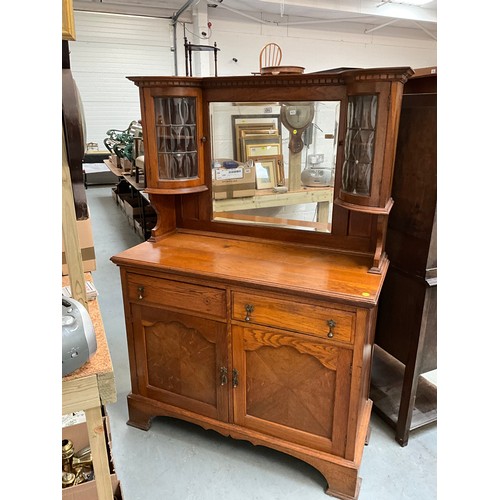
(253, 314)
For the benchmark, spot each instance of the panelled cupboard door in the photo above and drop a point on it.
(179, 359)
(292, 386)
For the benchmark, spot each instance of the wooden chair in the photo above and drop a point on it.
(270, 55)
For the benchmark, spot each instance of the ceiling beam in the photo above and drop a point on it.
(122, 8)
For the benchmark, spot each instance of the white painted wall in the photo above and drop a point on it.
(315, 49)
(110, 47)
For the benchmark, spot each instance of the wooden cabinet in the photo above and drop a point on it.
(406, 335)
(173, 137)
(369, 152)
(278, 358)
(292, 374)
(178, 344)
(256, 326)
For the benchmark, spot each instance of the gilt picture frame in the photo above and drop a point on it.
(247, 123)
(261, 149)
(68, 21)
(265, 171)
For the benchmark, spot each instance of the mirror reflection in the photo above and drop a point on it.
(273, 163)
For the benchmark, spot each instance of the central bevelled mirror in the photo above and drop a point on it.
(273, 163)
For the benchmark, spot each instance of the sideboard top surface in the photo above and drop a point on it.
(266, 264)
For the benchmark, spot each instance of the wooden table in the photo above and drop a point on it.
(88, 389)
(266, 198)
(128, 176)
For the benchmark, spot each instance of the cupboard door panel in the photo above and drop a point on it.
(292, 387)
(179, 358)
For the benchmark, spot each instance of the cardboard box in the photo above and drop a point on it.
(233, 182)
(88, 491)
(149, 224)
(115, 160)
(78, 434)
(126, 164)
(130, 205)
(84, 228)
(120, 189)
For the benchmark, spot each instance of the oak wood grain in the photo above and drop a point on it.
(303, 270)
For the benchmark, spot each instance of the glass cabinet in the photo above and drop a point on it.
(173, 137)
(360, 141)
(175, 124)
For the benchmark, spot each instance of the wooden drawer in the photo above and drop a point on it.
(187, 296)
(296, 316)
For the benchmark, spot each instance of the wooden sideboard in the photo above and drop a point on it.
(253, 324)
(257, 340)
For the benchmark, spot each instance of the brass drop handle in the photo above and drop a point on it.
(140, 292)
(223, 375)
(249, 310)
(331, 324)
(235, 377)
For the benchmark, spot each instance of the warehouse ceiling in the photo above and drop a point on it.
(379, 17)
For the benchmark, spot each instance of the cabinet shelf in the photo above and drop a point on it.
(365, 209)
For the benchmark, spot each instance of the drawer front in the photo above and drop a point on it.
(187, 296)
(318, 320)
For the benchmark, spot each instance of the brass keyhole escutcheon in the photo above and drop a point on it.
(331, 325)
(140, 292)
(223, 375)
(249, 310)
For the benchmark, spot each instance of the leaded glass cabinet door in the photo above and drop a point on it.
(174, 139)
(175, 125)
(371, 125)
(359, 144)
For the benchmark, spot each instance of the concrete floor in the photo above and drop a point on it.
(176, 460)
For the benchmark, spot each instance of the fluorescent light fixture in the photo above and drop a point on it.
(416, 3)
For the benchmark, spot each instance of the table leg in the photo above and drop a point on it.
(97, 440)
(323, 211)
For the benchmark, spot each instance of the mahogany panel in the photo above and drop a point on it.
(415, 186)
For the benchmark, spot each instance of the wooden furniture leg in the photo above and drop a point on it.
(137, 416)
(412, 373)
